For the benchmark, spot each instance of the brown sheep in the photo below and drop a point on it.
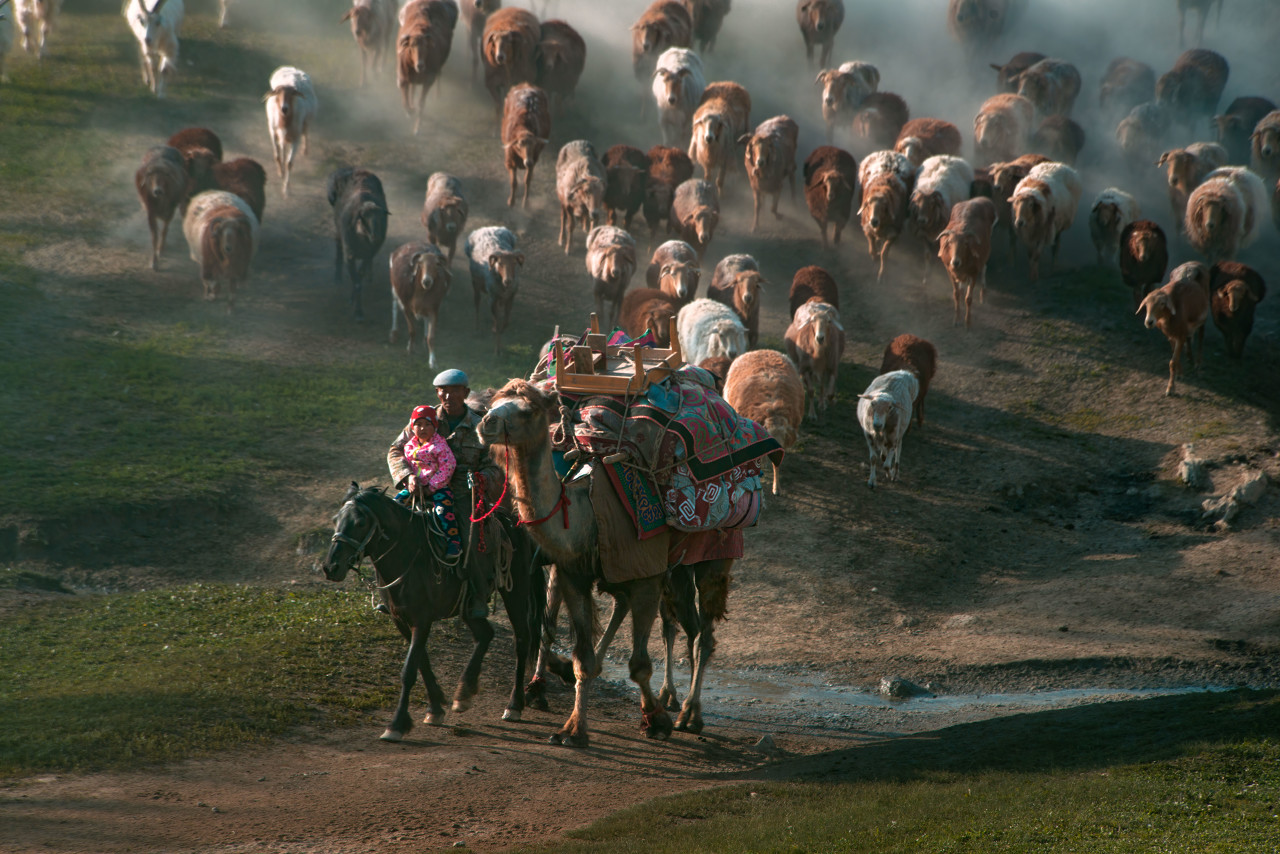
(1006, 177)
(1059, 138)
(510, 51)
(191, 138)
(880, 119)
(562, 56)
(1125, 84)
(830, 183)
(161, 182)
(674, 269)
(843, 90)
(668, 168)
(1143, 133)
(921, 139)
(1235, 126)
(1236, 290)
(819, 22)
(964, 247)
(1265, 141)
(770, 159)
(611, 261)
(765, 386)
(812, 283)
(222, 235)
(420, 278)
(245, 178)
(910, 353)
(625, 170)
(815, 342)
(739, 284)
(422, 48)
(476, 14)
(444, 211)
(1144, 257)
(1192, 88)
(1179, 310)
(885, 180)
(373, 25)
(1051, 85)
(1186, 169)
(718, 367)
(666, 23)
(984, 184)
(721, 119)
(201, 150)
(942, 181)
(1001, 129)
(696, 213)
(648, 310)
(1007, 74)
(1225, 213)
(580, 184)
(526, 127)
(707, 17)
(978, 23)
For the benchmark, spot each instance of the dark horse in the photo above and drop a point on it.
(422, 589)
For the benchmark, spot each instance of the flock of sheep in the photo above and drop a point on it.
(912, 179)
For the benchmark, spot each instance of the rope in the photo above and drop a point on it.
(562, 505)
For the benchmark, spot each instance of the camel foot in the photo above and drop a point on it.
(656, 725)
(668, 699)
(511, 715)
(569, 739)
(689, 722)
(391, 735)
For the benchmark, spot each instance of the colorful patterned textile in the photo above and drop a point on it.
(640, 496)
(732, 501)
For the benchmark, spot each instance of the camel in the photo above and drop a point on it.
(561, 520)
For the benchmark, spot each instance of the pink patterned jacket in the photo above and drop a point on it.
(433, 463)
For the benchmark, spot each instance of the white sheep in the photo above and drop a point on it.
(678, 82)
(156, 29)
(33, 16)
(1225, 213)
(1044, 207)
(1112, 210)
(815, 342)
(222, 237)
(611, 261)
(291, 107)
(884, 411)
(942, 183)
(843, 90)
(708, 328)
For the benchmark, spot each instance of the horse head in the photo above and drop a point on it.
(355, 526)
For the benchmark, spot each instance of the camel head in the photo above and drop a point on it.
(518, 417)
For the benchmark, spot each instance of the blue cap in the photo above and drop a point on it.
(453, 376)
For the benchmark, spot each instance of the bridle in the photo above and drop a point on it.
(375, 530)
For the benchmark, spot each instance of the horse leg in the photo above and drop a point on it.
(644, 610)
(469, 684)
(435, 695)
(711, 580)
(581, 610)
(524, 603)
(402, 723)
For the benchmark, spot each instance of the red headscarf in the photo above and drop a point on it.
(427, 412)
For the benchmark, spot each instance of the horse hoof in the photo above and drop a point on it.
(539, 703)
(391, 735)
(433, 719)
(511, 715)
(461, 705)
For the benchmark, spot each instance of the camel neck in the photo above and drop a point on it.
(537, 492)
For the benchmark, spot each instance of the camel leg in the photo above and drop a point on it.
(621, 607)
(667, 694)
(644, 610)
(469, 684)
(711, 587)
(548, 660)
(581, 610)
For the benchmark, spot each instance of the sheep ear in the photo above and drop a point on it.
(997, 67)
(744, 139)
(520, 258)
(1164, 158)
(347, 17)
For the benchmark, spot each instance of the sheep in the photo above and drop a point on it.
(1236, 290)
(844, 89)
(1001, 128)
(943, 182)
(1235, 126)
(815, 342)
(830, 183)
(668, 169)
(291, 107)
(1192, 88)
(738, 283)
(580, 186)
(886, 179)
(1143, 132)
(879, 120)
(6, 39)
(1044, 207)
(1179, 310)
(964, 248)
(666, 23)
(1007, 74)
(1203, 7)
(562, 57)
(373, 26)
(648, 310)
(1144, 257)
(243, 177)
(695, 211)
(422, 48)
(420, 279)
(1186, 169)
(908, 352)
(1225, 213)
(475, 13)
(678, 83)
(625, 169)
(1051, 85)
(674, 269)
(1125, 84)
(1059, 138)
(819, 22)
(526, 127)
(707, 17)
(156, 29)
(809, 284)
(770, 158)
(722, 117)
(1112, 211)
(978, 23)
(921, 139)
(1005, 178)
(495, 269)
(194, 138)
(884, 412)
(1275, 206)
(708, 328)
(718, 367)
(360, 227)
(611, 261)
(510, 52)
(161, 182)
(1265, 146)
(36, 16)
(765, 386)
(444, 211)
(222, 236)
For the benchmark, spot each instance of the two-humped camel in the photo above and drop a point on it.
(562, 522)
